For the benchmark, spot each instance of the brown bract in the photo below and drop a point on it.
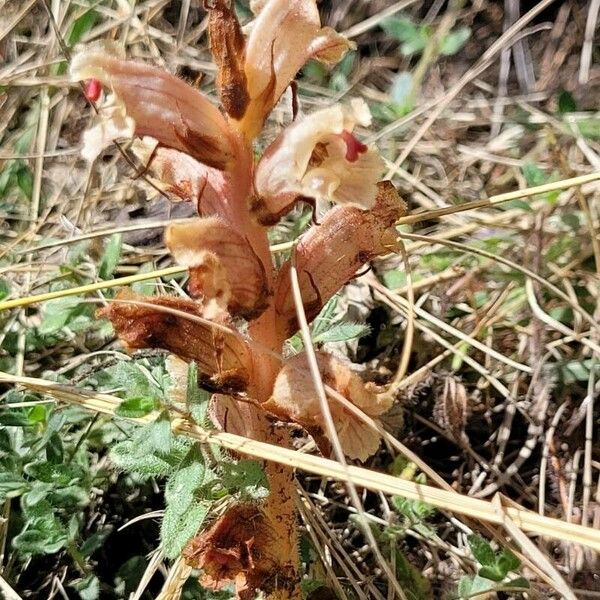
(329, 255)
(233, 549)
(141, 322)
(244, 290)
(228, 48)
(295, 399)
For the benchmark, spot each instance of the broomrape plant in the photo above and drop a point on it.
(204, 155)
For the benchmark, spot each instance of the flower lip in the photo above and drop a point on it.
(353, 147)
(92, 89)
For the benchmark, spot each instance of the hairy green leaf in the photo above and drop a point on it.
(482, 551)
(177, 529)
(247, 478)
(454, 41)
(134, 408)
(111, 257)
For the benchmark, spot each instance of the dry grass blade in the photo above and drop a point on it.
(91, 287)
(478, 509)
(500, 198)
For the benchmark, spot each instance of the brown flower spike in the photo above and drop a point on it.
(199, 154)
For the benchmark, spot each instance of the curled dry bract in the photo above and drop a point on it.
(329, 255)
(295, 398)
(243, 289)
(223, 358)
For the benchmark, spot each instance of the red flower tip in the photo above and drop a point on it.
(353, 146)
(92, 90)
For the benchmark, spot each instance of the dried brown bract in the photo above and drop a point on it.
(235, 548)
(295, 398)
(237, 281)
(140, 322)
(329, 255)
(452, 409)
(229, 50)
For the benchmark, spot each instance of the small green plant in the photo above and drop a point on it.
(196, 481)
(417, 40)
(493, 572)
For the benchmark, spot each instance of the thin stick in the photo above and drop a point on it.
(91, 287)
(500, 198)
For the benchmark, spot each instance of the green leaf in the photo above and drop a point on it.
(533, 174)
(400, 91)
(589, 128)
(518, 582)
(57, 474)
(182, 485)
(327, 315)
(454, 41)
(197, 399)
(54, 449)
(482, 550)
(470, 586)
(12, 485)
(25, 181)
(4, 288)
(414, 584)
(37, 414)
(246, 477)
(177, 529)
(508, 561)
(125, 457)
(566, 103)
(160, 435)
(111, 257)
(88, 588)
(35, 541)
(95, 541)
(14, 418)
(342, 332)
(394, 279)
(415, 511)
(135, 408)
(400, 28)
(136, 383)
(80, 27)
(512, 204)
(493, 573)
(417, 43)
(60, 312)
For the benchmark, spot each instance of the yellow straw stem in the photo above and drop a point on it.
(493, 200)
(91, 287)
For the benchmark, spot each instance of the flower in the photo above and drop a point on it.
(285, 35)
(146, 100)
(318, 157)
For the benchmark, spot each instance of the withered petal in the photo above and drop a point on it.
(223, 358)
